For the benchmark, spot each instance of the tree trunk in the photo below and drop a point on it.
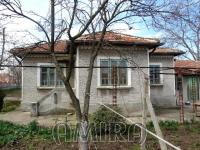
(83, 136)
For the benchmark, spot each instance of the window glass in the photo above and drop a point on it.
(104, 72)
(155, 74)
(48, 77)
(113, 73)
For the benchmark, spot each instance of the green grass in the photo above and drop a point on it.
(10, 132)
(10, 106)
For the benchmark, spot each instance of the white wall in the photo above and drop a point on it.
(164, 95)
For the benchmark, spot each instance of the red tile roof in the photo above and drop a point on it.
(40, 48)
(187, 67)
(166, 51)
(187, 64)
(119, 37)
(110, 37)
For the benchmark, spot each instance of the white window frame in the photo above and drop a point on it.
(39, 76)
(161, 75)
(110, 86)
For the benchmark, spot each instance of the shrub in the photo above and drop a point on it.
(106, 120)
(33, 126)
(10, 106)
(169, 125)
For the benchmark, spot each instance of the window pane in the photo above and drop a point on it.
(154, 74)
(51, 77)
(104, 72)
(43, 77)
(47, 76)
(114, 75)
(123, 73)
(59, 82)
(114, 71)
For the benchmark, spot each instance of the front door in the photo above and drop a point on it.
(193, 88)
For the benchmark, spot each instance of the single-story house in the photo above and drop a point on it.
(190, 78)
(41, 83)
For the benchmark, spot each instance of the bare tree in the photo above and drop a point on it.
(3, 46)
(182, 27)
(89, 17)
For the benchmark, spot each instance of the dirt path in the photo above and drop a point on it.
(25, 118)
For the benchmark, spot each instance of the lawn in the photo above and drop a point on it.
(10, 106)
(13, 136)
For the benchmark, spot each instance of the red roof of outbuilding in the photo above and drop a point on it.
(187, 67)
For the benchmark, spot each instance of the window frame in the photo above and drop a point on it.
(39, 86)
(100, 86)
(161, 75)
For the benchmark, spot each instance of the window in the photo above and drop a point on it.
(48, 76)
(155, 76)
(112, 72)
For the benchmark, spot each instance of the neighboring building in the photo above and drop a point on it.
(42, 85)
(190, 72)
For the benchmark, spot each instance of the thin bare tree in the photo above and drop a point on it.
(181, 29)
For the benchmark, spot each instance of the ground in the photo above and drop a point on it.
(186, 136)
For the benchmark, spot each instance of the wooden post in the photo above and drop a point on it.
(144, 116)
(153, 116)
(181, 98)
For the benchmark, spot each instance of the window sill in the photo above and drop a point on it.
(111, 87)
(160, 84)
(50, 88)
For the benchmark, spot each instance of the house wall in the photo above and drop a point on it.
(184, 82)
(163, 95)
(128, 98)
(32, 93)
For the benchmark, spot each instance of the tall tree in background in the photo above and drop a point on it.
(89, 17)
(181, 29)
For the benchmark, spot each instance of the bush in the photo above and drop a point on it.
(106, 120)
(33, 126)
(2, 95)
(169, 125)
(10, 106)
(10, 132)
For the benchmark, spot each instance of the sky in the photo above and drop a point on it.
(23, 30)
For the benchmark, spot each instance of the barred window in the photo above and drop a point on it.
(49, 77)
(112, 72)
(155, 74)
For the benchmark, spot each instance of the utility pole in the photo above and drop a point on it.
(52, 24)
(153, 116)
(144, 115)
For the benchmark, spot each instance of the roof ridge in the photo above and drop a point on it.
(123, 34)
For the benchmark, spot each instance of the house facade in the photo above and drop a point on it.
(116, 77)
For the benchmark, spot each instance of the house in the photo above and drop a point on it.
(41, 85)
(190, 78)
